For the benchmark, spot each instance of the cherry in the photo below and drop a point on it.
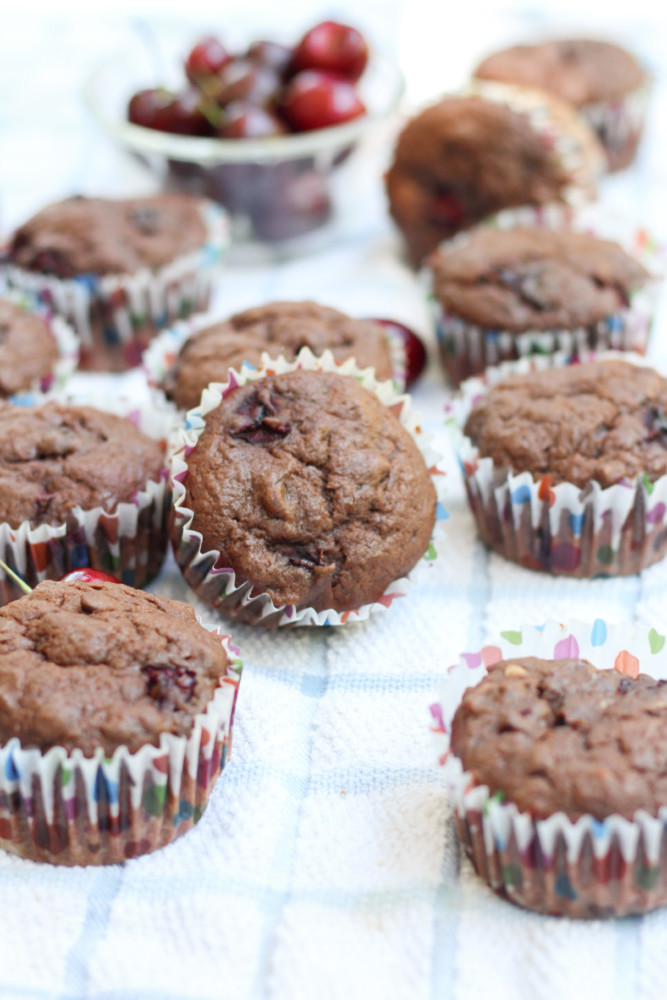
(447, 210)
(334, 48)
(186, 114)
(206, 58)
(415, 352)
(271, 54)
(245, 80)
(315, 100)
(248, 121)
(87, 575)
(151, 109)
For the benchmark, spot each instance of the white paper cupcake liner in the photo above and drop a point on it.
(65, 808)
(466, 349)
(66, 340)
(115, 315)
(129, 544)
(559, 529)
(619, 124)
(582, 868)
(217, 585)
(160, 357)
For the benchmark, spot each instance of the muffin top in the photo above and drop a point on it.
(54, 458)
(278, 328)
(108, 236)
(311, 490)
(580, 70)
(601, 420)
(28, 349)
(534, 279)
(473, 155)
(101, 664)
(561, 736)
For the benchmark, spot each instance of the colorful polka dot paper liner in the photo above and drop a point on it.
(582, 868)
(129, 543)
(160, 357)
(68, 809)
(558, 529)
(215, 584)
(467, 349)
(66, 340)
(115, 315)
(619, 124)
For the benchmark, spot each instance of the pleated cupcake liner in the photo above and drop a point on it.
(161, 356)
(619, 124)
(576, 868)
(68, 809)
(66, 340)
(466, 349)
(561, 529)
(129, 543)
(204, 571)
(116, 315)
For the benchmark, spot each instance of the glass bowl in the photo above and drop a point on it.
(289, 193)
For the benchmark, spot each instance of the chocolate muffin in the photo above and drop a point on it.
(498, 290)
(561, 736)
(119, 270)
(279, 328)
(590, 74)
(28, 349)
(601, 421)
(565, 467)
(54, 458)
(104, 236)
(470, 156)
(310, 490)
(556, 771)
(93, 479)
(108, 671)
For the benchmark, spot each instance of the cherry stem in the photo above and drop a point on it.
(16, 578)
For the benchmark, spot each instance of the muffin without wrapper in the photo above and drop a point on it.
(553, 748)
(300, 495)
(489, 149)
(603, 81)
(500, 294)
(81, 487)
(115, 721)
(119, 270)
(565, 466)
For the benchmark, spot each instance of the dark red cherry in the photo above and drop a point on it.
(248, 121)
(87, 575)
(415, 352)
(151, 109)
(187, 114)
(315, 100)
(271, 54)
(245, 80)
(206, 58)
(334, 48)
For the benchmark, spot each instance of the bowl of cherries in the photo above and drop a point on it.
(276, 133)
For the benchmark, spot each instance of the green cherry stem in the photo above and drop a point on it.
(16, 578)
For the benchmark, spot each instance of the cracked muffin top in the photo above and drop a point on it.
(54, 458)
(101, 664)
(534, 279)
(600, 420)
(108, 236)
(279, 328)
(28, 349)
(560, 736)
(311, 490)
(580, 70)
